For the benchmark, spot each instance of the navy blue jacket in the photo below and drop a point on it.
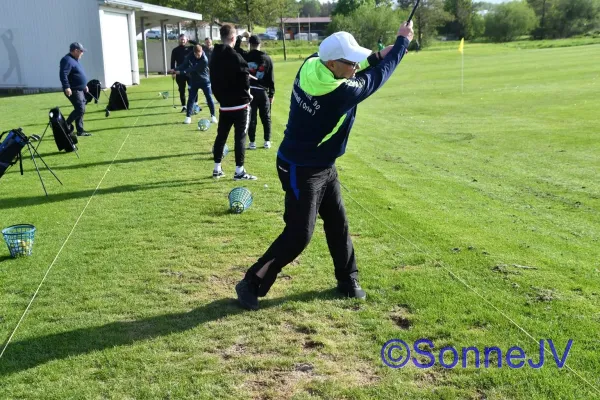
(72, 74)
(323, 108)
(196, 69)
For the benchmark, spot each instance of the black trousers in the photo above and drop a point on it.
(239, 120)
(308, 192)
(77, 98)
(261, 105)
(182, 81)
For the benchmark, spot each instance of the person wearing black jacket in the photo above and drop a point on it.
(195, 66)
(178, 55)
(262, 89)
(74, 84)
(230, 81)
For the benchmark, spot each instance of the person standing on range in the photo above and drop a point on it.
(195, 66)
(208, 48)
(325, 95)
(178, 55)
(74, 84)
(229, 77)
(262, 88)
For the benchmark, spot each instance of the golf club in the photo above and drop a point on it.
(412, 13)
(173, 92)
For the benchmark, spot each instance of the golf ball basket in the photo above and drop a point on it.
(203, 124)
(240, 199)
(19, 239)
(165, 95)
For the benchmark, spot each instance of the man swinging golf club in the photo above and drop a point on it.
(324, 97)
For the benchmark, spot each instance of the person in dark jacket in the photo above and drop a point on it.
(208, 47)
(74, 84)
(178, 55)
(262, 88)
(324, 98)
(229, 77)
(195, 67)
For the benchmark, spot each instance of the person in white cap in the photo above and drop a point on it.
(326, 91)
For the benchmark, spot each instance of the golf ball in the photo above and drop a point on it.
(266, 185)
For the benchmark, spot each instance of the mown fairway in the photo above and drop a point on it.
(140, 302)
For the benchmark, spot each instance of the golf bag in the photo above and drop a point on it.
(118, 98)
(94, 89)
(10, 149)
(64, 138)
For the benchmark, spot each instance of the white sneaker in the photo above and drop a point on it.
(252, 146)
(187, 120)
(267, 145)
(214, 119)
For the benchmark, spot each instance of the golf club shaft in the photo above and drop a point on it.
(412, 13)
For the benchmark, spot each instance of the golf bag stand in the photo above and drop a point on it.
(118, 98)
(10, 153)
(63, 137)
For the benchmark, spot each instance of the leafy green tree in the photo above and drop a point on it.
(367, 24)
(429, 16)
(310, 8)
(347, 7)
(509, 20)
(462, 11)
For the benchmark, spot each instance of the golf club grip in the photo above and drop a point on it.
(412, 13)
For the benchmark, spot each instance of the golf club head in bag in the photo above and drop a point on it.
(10, 148)
(118, 98)
(94, 89)
(63, 134)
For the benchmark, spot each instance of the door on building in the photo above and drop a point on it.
(115, 48)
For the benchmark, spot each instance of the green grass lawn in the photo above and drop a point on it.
(139, 302)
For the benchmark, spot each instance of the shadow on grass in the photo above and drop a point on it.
(17, 202)
(30, 353)
(108, 162)
(4, 258)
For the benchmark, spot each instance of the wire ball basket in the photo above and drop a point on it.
(19, 239)
(240, 199)
(225, 150)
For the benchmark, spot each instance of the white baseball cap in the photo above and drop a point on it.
(342, 45)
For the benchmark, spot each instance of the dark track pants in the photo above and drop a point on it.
(193, 97)
(78, 100)
(182, 81)
(239, 120)
(261, 105)
(308, 192)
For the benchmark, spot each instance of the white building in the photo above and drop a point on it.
(35, 35)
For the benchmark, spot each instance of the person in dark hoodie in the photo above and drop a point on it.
(262, 89)
(74, 84)
(178, 55)
(231, 85)
(324, 98)
(195, 67)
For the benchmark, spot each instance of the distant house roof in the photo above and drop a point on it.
(306, 20)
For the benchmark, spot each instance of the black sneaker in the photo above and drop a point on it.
(183, 109)
(106, 113)
(247, 295)
(84, 133)
(351, 288)
(218, 174)
(244, 176)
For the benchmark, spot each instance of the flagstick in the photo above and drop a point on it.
(462, 72)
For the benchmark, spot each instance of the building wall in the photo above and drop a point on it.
(35, 35)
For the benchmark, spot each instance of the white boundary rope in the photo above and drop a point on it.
(437, 262)
(67, 239)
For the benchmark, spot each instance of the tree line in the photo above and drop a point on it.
(369, 20)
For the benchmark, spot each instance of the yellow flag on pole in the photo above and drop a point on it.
(462, 45)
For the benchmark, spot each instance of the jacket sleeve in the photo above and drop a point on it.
(192, 42)
(244, 74)
(183, 66)
(368, 81)
(238, 47)
(270, 78)
(173, 58)
(65, 69)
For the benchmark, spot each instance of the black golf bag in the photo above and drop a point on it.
(10, 149)
(64, 138)
(118, 98)
(94, 89)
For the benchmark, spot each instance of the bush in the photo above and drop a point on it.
(367, 24)
(509, 21)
